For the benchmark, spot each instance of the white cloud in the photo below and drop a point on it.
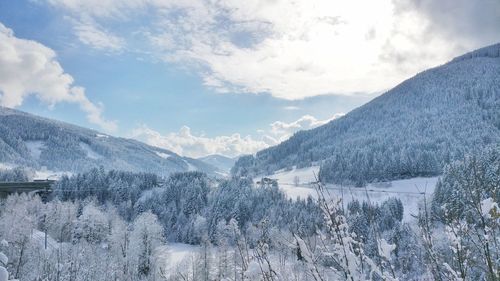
(282, 130)
(98, 38)
(186, 143)
(30, 68)
(297, 49)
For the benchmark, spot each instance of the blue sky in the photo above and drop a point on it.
(201, 77)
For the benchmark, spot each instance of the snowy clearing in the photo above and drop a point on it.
(305, 175)
(410, 191)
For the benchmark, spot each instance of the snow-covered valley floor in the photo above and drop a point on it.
(410, 191)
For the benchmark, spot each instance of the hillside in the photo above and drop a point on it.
(223, 163)
(412, 130)
(37, 142)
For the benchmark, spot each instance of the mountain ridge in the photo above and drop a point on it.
(414, 129)
(492, 51)
(223, 163)
(39, 142)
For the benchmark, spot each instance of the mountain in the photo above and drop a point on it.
(223, 163)
(414, 129)
(37, 142)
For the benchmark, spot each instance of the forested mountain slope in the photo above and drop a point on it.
(37, 142)
(411, 130)
(223, 163)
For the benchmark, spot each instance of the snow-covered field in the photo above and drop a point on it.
(306, 175)
(410, 191)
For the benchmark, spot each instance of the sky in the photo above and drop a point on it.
(228, 77)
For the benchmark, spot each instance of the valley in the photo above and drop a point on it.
(153, 140)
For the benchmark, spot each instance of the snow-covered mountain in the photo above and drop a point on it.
(223, 163)
(411, 130)
(37, 142)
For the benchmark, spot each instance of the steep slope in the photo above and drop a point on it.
(412, 130)
(37, 142)
(223, 163)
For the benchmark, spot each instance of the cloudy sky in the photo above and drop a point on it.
(230, 77)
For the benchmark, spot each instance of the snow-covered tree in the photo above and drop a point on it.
(146, 236)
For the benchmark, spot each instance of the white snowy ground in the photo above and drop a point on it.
(44, 174)
(6, 166)
(173, 256)
(410, 191)
(180, 251)
(41, 174)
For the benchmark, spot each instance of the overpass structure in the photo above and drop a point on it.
(43, 187)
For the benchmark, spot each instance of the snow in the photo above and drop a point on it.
(148, 194)
(296, 192)
(304, 250)
(92, 154)
(222, 174)
(172, 256)
(253, 271)
(487, 205)
(35, 148)
(305, 175)
(162, 154)
(409, 191)
(38, 238)
(286, 181)
(191, 167)
(101, 136)
(223, 163)
(179, 251)
(44, 174)
(4, 275)
(385, 249)
(3, 259)
(6, 166)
